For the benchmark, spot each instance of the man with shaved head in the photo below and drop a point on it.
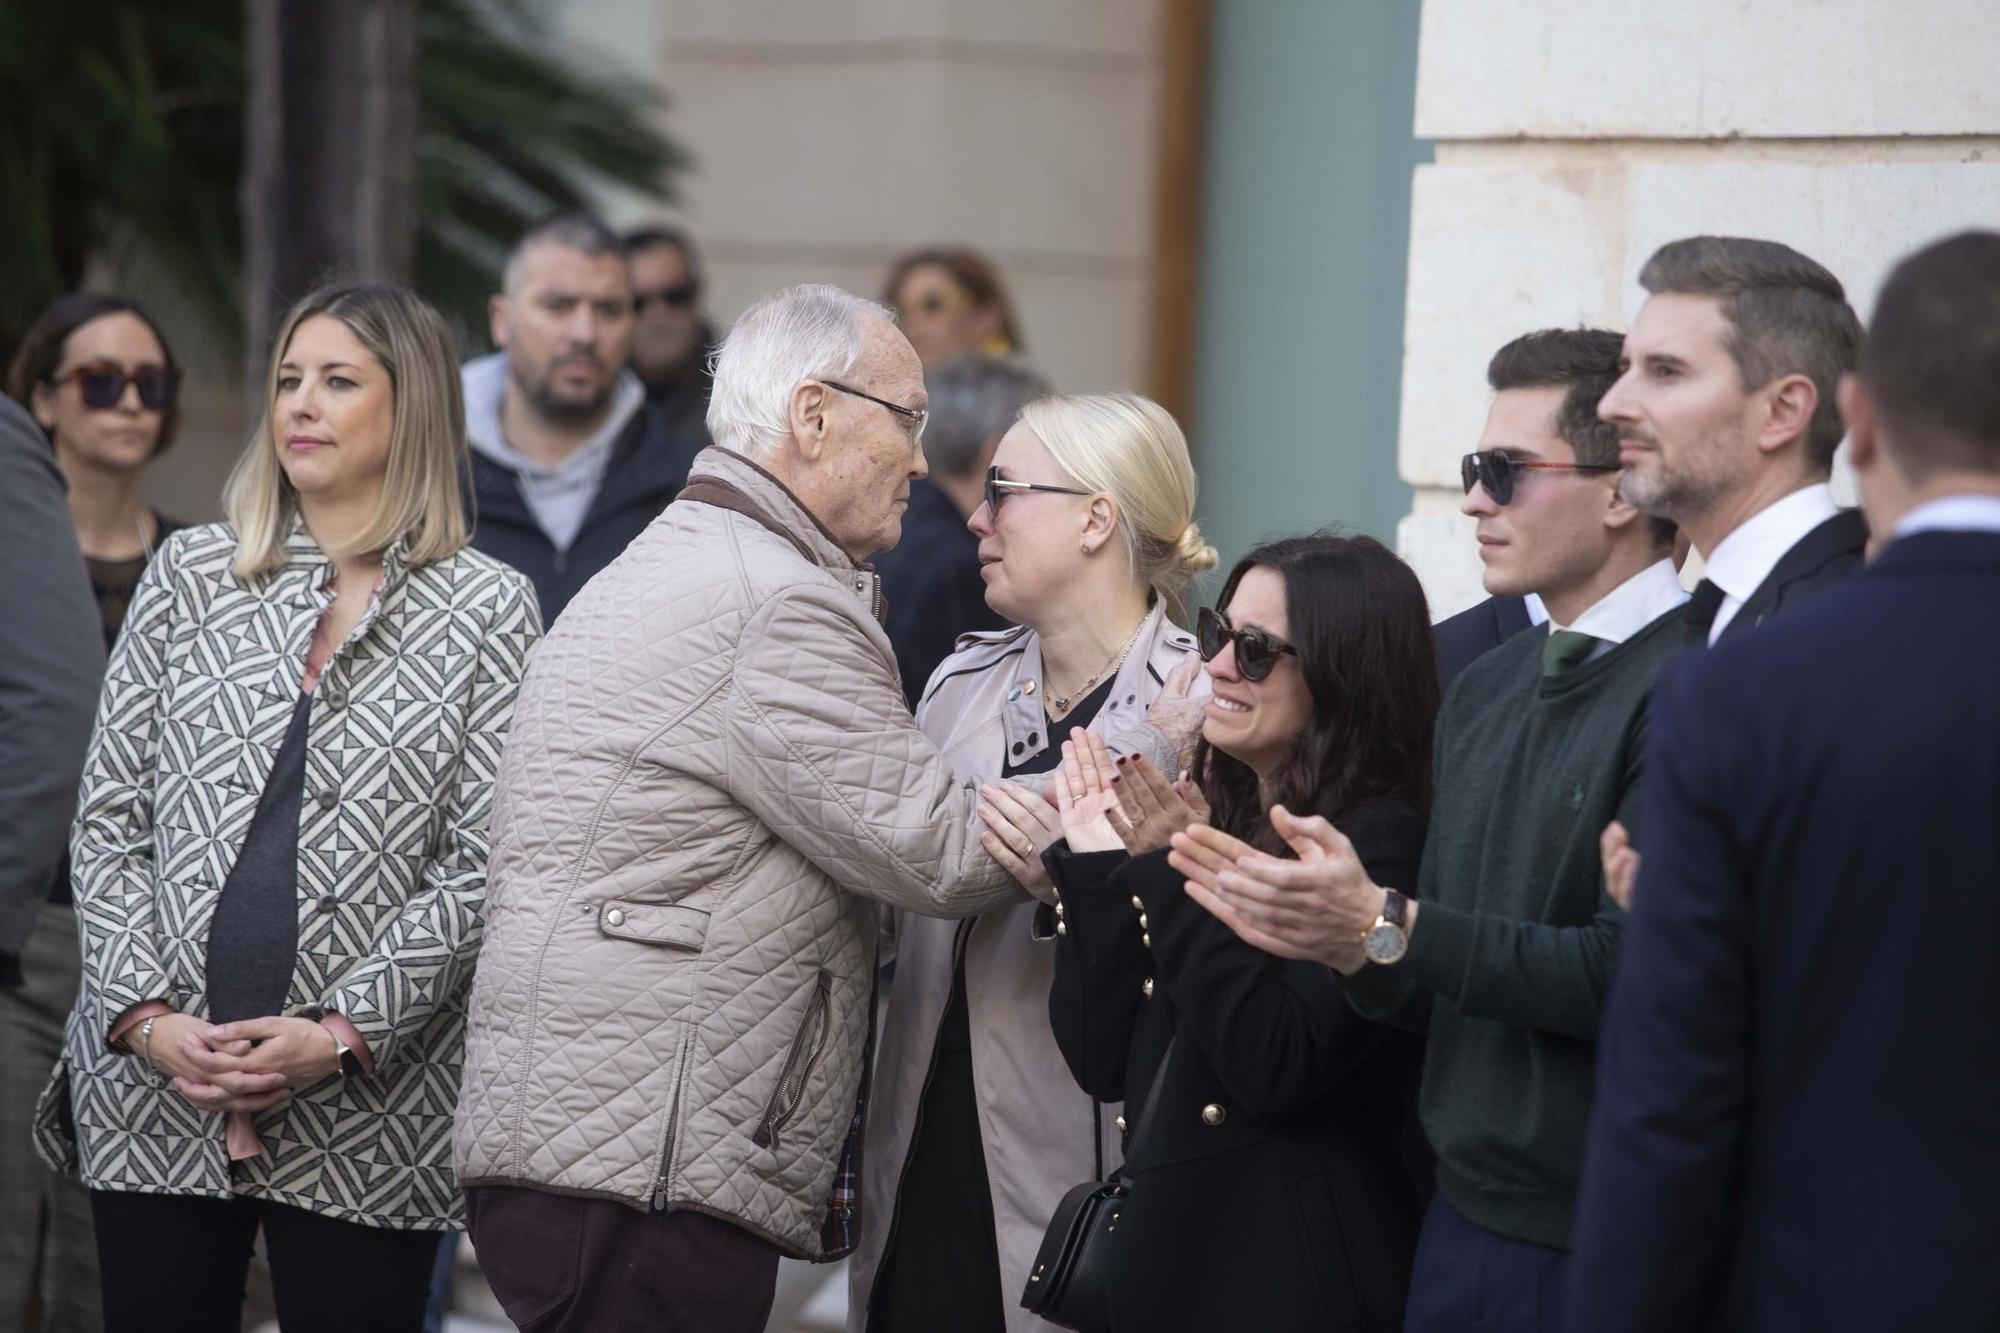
(569, 460)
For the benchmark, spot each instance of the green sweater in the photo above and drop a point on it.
(1515, 939)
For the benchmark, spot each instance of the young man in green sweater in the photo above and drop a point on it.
(1506, 962)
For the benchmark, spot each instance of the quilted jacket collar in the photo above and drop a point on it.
(776, 500)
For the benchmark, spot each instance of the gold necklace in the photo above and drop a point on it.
(1062, 701)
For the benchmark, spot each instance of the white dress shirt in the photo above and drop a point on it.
(1537, 613)
(1952, 513)
(1745, 558)
(1630, 607)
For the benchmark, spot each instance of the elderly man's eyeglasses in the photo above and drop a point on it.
(1496, 470)
(916, 416)
(998, 488)
(1256, 651)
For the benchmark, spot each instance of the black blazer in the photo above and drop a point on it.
(1830, 554)
(1798, 1100)
(1462, 637)
(1270, 1192)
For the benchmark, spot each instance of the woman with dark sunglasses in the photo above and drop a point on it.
(99, 379)
(1269, 1186)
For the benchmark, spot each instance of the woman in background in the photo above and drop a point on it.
(950, 303)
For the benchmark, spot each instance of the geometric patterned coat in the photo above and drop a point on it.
(405, 733)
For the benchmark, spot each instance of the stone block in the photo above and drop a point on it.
(1707, 69)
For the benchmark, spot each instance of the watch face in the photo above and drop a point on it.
(1384, 943)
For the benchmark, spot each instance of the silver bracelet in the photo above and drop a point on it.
(146, 1038)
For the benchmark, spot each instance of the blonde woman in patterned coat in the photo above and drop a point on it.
(280, 853)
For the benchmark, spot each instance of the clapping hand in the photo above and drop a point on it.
(1315, 908)
(1150, 810)
(1621, 863)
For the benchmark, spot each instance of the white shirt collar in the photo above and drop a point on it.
(1632, 605)
(1952, 513)
(1745, 558)
(1537, 613)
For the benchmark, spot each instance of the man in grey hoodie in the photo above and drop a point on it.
(569, 462)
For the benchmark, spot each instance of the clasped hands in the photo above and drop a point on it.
(248, 1065)
(1102, 804)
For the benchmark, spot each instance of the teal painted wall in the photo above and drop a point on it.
(1305, 238)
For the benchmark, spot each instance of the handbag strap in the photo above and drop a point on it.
(1152, 1101)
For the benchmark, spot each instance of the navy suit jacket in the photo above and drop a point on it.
(1798, 1103)
(1462, 637)
(1829, 555)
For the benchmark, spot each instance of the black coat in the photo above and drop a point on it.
(931, 587)
(1796, 1124)
(1270, 1191)
(1473, 631)
(648, 464)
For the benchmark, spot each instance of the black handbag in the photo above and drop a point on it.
(1069, 1286)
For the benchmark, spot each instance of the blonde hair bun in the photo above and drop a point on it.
(1196, 555)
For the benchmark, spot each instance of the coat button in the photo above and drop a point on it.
(1146, 988)
(1029, 688)
(1013, 694)
(1120, 1122)
(1212, 1114)
(1138, 903)
(614, 917)
(328, 902)
(328, 799)
(1062, 928)
(1145, 939)
(1142, 922)
(336, 698)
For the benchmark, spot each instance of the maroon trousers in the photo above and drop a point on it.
(565, 1265)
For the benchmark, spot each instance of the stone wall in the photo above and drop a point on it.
(830, 138)
(1571, 144)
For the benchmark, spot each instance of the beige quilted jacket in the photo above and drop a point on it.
(711, 783)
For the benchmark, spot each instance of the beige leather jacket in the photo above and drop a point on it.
(1040, 1132)
(712, 781)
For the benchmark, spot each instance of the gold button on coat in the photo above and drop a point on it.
(1212, 1114)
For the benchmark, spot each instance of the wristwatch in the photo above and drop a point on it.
(1386, 941)
(350, 1063)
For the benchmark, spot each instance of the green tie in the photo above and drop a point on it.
(1565, 649)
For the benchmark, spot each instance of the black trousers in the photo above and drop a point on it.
(1470, 1280)
(175, 1263)
(566, 1265)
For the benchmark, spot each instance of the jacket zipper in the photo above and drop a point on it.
(673, 1127)
(811, 1043)
(958, 945)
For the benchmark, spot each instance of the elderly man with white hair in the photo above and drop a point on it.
(712, 785)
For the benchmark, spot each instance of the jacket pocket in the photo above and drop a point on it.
(54, 1128)
(654, 923)
(806, 1050)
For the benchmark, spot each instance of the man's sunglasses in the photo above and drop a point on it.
(680, 298)
(1496, 470)
(102, 384)
(998, 488)
(1256, 651)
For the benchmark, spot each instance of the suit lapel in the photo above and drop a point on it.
(1831, 551)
